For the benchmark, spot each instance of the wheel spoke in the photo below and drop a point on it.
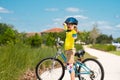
(96, 70)
(50, 69)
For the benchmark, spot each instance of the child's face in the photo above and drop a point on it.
(70, 26)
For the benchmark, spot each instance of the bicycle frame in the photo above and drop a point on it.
(86, 69)
(78, 63)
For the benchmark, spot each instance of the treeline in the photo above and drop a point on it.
(8, 35)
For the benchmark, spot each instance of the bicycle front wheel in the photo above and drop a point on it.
(94, 68)
(50, 69)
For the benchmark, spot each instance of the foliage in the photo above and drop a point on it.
(84, 37)
(78, 47)
(49, 38)
(117, 40)
(7, 34)
(34, 41)
(104, 47)
(16, 59)
(116, 52)
(103, 39)
(94, 33)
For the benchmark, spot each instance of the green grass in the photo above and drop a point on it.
(87, 55)
(115, 52)
(109, 48)
(104, 47)
(16, 59)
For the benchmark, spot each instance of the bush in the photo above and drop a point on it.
(104, 47)
(78, 47)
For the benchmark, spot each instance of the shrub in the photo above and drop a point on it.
(104, 47)
(78, 47)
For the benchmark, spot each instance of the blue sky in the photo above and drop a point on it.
(39, 15)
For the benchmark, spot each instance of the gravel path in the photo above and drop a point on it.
(109, 61)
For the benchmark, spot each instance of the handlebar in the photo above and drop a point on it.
(59, 42)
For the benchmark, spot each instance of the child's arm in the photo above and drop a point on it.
(74, 36)
(65, 26)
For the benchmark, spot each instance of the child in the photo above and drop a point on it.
(70, 25)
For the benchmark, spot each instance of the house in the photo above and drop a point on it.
(46, 31)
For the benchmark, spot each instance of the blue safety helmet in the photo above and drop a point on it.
(71, 20)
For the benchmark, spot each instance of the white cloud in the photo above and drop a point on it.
(57, 19)
(102, 22)
(72, 9)
(105, 25)
(51, 9)
(3, 10)
(78, 16)
(118, 26)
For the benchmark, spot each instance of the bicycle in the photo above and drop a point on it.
(52, 68)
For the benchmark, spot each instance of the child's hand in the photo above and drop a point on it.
(65, 26)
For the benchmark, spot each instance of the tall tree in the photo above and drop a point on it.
(94, 33)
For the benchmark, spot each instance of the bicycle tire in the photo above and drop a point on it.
(50, 65)
(95, 75)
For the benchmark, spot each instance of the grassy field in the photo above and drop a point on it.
(109, 48)
(115, 52)
(16, 59)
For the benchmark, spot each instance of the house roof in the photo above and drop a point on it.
(53, 30)
(46, 31)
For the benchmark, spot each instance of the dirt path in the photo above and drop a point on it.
(110, 62)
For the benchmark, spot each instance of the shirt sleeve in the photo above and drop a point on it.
(74, 36)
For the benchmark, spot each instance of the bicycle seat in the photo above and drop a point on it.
(80, 53)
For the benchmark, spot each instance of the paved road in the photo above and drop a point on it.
(110, 62)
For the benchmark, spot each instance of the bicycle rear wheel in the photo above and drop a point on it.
(50, 69)
(96, 70)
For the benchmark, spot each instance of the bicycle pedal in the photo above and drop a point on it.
(65, 67)
(82, 78)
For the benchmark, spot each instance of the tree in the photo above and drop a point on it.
(103, 39)
(35, 41)
(117, 40)
(49, 38)
(84, 37)
(94, 33)
(7, 34)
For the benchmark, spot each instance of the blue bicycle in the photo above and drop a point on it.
(53, 68)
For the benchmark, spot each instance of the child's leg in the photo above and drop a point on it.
(70, 67)
(70, 61)
(72, 76)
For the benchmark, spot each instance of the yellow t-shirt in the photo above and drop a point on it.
(70, 39)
